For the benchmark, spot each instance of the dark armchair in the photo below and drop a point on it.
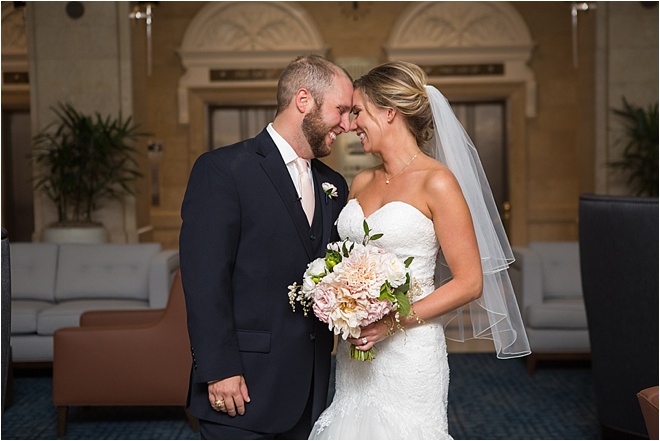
(619, 263)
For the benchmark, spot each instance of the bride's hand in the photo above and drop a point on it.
(372, 334)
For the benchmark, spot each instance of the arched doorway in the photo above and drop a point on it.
(477, 52)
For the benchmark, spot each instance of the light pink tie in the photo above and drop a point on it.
(306, 192)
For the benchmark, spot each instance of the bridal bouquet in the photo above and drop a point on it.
(354, 285)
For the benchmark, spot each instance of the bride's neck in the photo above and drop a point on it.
(396, 159)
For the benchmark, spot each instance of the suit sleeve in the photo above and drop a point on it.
(207, 245)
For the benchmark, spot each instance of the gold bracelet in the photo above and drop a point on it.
(390, 325)
(414, 315)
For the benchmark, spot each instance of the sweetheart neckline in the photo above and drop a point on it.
(385, 205)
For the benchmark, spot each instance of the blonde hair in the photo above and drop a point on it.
(400, 85)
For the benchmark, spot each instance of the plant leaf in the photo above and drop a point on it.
(404, 304)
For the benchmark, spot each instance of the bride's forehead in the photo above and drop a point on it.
(358, 98)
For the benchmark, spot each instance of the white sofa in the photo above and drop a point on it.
(52, 285)
(547, 282)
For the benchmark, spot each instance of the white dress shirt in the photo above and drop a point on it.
(289, 156)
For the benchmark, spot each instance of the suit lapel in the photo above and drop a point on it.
(276, 170)
(323, 202)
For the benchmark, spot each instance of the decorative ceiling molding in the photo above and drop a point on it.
(247, 37)
(460, 37)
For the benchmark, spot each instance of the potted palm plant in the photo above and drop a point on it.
(640, 154)
(84, 160)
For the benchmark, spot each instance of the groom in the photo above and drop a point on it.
(261, 371)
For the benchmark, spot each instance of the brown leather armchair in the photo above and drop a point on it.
(648, 401)
(124, 358)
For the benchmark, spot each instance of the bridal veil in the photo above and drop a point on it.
(495, 315)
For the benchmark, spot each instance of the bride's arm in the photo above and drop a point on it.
(455, 232)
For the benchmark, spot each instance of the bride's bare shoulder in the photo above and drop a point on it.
(362, 179)
(440, 180)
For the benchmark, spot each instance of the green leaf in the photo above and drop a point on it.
(408, 261)
(402, 289)
(376, 236)
(404, 304)
(640, 153)
(346, 251)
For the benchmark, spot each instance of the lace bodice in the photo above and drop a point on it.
(402, 393)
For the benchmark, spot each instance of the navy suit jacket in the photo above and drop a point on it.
(244, 240)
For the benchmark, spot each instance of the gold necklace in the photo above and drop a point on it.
(388, 179)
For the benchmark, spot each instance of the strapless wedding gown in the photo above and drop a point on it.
(402, 393)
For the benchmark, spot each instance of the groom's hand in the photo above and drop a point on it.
(229, 395)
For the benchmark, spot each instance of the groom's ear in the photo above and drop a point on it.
(303, 100)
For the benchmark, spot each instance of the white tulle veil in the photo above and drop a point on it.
(495, 315)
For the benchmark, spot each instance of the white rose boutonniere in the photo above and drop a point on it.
(329, 190)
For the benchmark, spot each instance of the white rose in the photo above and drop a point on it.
(316, 268)
(314, 272)
(329, 189)
(394, 270)
(308, 285)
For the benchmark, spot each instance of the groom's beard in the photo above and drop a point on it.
(316, 131)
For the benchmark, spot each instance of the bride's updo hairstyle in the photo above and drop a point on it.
(400, 85)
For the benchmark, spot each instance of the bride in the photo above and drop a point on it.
(436, 210)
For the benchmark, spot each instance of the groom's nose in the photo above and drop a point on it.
(345, 122)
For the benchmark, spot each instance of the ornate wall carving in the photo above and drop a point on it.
(14, 48)
(467, 34)
(14, 39)
(459, 24)
(251, 26)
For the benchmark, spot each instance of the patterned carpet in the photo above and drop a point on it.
(488, 399)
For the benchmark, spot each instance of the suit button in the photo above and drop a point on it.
(312, 237)
(312, 336)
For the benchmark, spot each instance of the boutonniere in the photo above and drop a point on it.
(329, 190)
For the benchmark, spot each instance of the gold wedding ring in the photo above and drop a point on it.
(219, 403)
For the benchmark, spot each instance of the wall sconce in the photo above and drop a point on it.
(155, 155)
(144, 11)
(575, 8)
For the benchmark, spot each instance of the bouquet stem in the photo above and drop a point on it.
(357, 354)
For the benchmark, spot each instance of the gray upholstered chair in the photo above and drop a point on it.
(6, 316)
(619, 261)
(546, 279)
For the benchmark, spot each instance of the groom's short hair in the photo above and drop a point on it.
(313, 72)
